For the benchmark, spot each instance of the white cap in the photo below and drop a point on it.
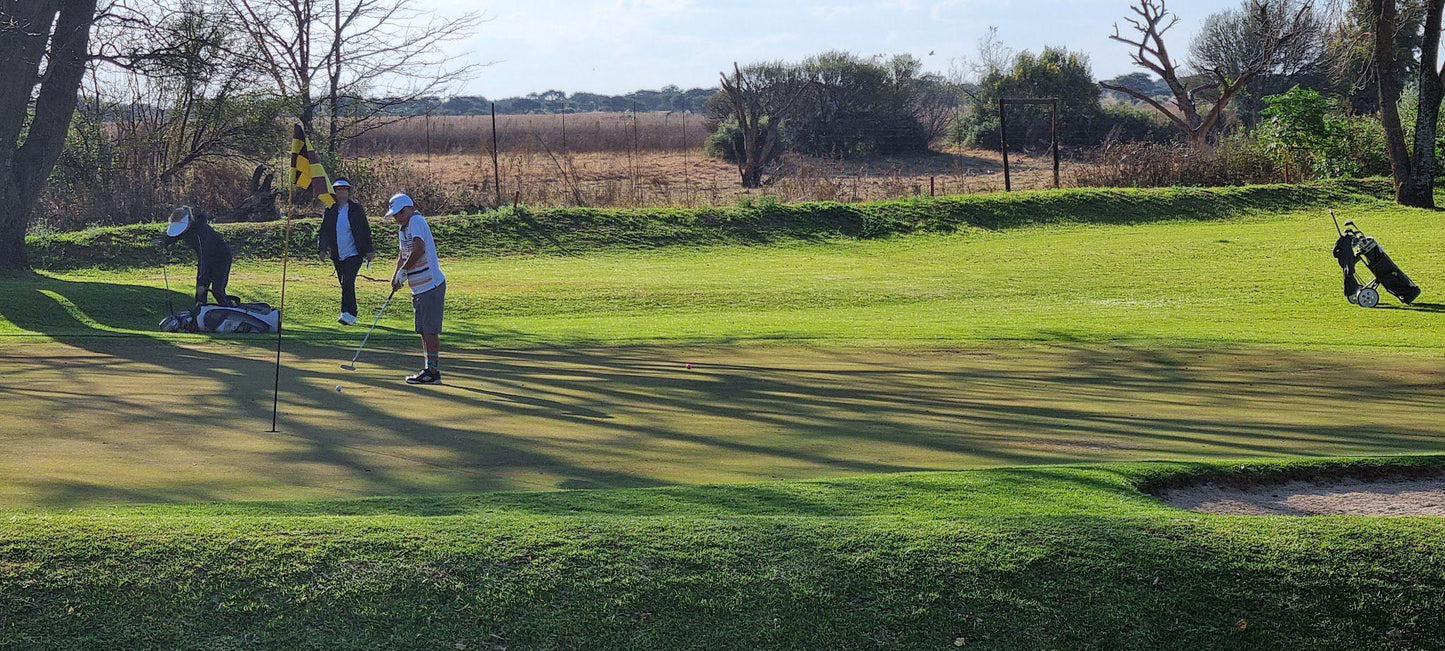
(398, 203)
(180, 221)
(341, 183)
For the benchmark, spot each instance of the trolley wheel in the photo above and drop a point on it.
(1368, 297)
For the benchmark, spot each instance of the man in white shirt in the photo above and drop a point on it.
(345, 235)
(417, 266)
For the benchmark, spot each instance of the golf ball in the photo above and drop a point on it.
(338, 388)
(689, 366)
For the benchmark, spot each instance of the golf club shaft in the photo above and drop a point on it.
(165, 275)
(375, 321)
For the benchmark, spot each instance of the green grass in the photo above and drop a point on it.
(799, 487)
(1070, 557)
(510, 231)
(1260, 279)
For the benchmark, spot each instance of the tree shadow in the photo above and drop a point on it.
(35, 302)
(637, 416)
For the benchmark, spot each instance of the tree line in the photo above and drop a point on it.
(670, 99)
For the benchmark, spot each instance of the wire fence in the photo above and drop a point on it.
(644, 160)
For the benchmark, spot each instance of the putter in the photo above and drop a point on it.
(352, 365)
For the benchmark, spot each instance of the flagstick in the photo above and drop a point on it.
(281, 320)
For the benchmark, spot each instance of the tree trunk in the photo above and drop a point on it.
(26, 163)
(752, 174)
(13, 221)
(1419, 189)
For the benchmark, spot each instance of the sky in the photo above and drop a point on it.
(617, 46)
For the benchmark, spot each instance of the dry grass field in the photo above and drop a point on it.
(656, 159)
(689, 178)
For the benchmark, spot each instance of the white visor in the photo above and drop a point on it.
(178, 227)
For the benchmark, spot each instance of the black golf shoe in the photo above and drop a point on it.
(426, 376)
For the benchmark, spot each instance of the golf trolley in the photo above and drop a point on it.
(1355, 247)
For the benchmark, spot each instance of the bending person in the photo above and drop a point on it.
(346, 237)
(213, 255)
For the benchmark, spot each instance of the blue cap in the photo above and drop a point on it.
(398, 203)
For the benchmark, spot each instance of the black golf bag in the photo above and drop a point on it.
(238, 318)
(1354, 247)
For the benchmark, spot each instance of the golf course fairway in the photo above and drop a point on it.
(919, 440)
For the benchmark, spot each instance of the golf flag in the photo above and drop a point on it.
(306, 169)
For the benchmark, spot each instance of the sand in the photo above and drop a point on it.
(1393, 497)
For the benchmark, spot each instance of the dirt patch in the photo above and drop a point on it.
(1398, 497)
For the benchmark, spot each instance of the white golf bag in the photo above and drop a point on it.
(243, 318)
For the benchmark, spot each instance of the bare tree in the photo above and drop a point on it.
(1231, 41)
(44, 44)
(1191, 111)
(935, 104)
(759, 98)
(199, 104)
(351, 61)
(1414, 172)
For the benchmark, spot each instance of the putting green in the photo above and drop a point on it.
(1026, 346)
(104, 420)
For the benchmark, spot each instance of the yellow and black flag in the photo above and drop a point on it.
(307, 172)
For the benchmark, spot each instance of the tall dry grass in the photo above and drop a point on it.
(1234, 161)
(464, 182)
(576, 133)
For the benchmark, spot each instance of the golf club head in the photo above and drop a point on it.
(348, 367)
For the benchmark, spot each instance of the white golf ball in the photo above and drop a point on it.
(338, 388)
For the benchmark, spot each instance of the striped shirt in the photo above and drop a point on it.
(425, 274)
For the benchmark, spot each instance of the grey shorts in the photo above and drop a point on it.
(428, 307)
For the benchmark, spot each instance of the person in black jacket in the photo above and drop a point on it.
(346, 236)
(213, 254)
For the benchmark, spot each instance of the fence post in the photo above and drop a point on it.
(1056, 143)
(1003, 145)
(496, 167)
(686, 173)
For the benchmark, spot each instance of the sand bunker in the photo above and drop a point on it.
(1405, 496)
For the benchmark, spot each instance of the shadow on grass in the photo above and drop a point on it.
(637, 417)
(50, 306)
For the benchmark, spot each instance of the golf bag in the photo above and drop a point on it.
(242, 318)
(1354, 247)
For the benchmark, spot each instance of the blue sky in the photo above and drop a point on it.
(613, 46)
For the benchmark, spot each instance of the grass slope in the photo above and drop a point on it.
(1070, 557)
(581, 229)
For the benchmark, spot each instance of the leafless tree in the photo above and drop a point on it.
(1414, 172)
(935, 104)
(759, 98)
(1191, 111)
(194, 102)
(351, 62)
(44, 45)
(1231, 41)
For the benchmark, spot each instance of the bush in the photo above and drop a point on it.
(1311, 134)
(1236, 160)
(1056, 72)
(853, 107)
(725, 141)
